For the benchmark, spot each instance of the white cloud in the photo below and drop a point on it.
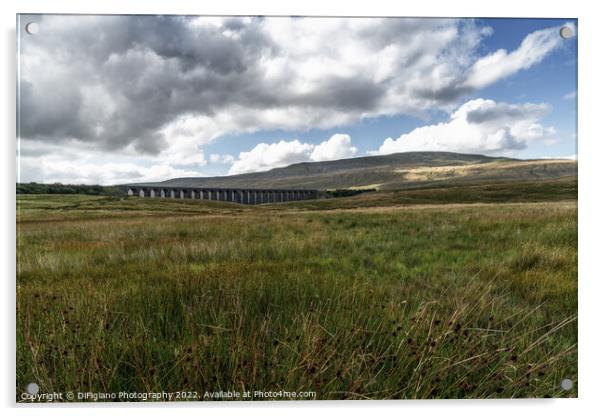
(500, 64)
(106, 173)
(478, 126)
(268, 156)
(337, 147)
(569, 157)
(570, 95)
(77, 163)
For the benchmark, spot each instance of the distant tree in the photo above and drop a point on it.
(59, 188)
(337, 193)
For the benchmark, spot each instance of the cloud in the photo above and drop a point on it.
(283, 153)
(337, 147)
(267, 156)
(65, 171)
(118, 81)
(570, 95)
(500, 64)
(569, 157)
(478, 126)
(160, 87)
(49, 163)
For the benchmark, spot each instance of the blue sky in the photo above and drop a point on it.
(550, 81)
(218, 96)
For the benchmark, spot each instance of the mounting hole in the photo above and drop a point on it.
(566, 32)
(566, 384)
(32, 28)
(32, 388)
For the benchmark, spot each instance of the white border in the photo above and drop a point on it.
(590, 26)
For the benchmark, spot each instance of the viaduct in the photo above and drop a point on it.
(241, 196)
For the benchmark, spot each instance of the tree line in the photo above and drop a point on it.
(338, 193)
(59, 188)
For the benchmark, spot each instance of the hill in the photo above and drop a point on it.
(395, 171)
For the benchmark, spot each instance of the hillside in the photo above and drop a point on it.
(395, 171)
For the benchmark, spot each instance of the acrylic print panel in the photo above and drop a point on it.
(275, 208)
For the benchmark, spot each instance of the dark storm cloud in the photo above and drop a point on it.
(153, 68)
(390, 30)
(505, 112)
(172, 37)
(342, 93)
(445, 95)
(50, 115)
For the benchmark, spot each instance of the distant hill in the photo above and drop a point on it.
(395, 171)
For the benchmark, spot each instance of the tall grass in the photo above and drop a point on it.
(467, 302)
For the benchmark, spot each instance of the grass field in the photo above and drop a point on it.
(375, 296)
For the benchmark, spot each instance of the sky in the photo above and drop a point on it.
(122, 99)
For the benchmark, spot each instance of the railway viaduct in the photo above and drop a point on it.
(241, 196)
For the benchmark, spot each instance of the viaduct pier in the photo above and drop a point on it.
(237, 195)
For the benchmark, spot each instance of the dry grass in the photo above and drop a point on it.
(462, 302)
(429, 173)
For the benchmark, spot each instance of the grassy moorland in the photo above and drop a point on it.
(393, 299)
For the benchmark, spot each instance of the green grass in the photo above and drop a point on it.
(562, 189)
(400, 302)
